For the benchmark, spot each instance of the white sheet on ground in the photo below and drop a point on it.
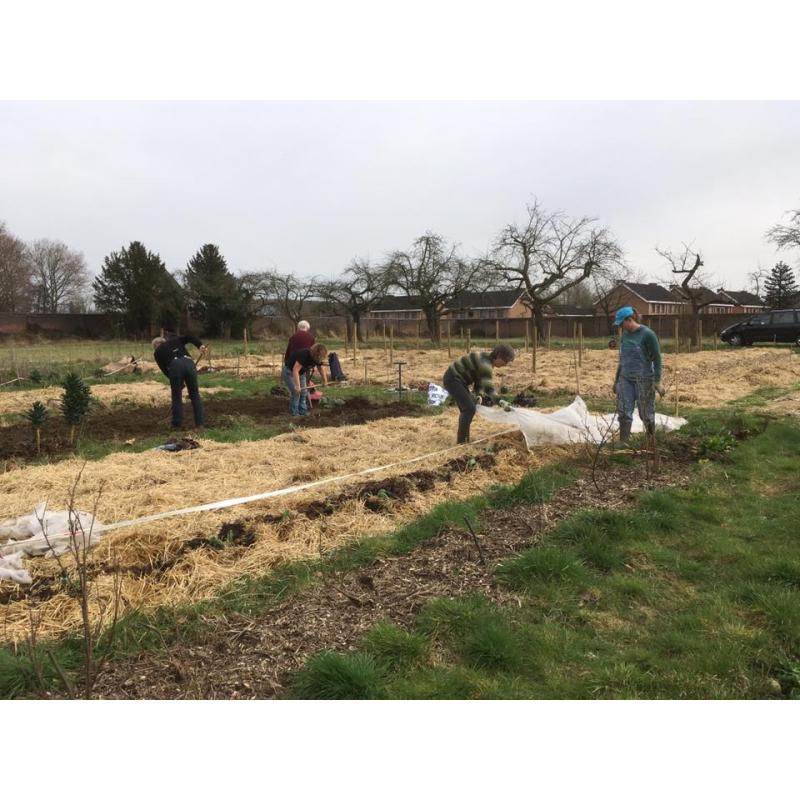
(569, 425)
(40, 533)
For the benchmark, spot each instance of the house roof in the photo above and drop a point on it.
(704, 295)
(652, 292)
(568, 310)
(500, 298)
(743, 298)
(398, 302)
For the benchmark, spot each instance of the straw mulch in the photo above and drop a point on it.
(136, 485)
(144, 393)
(703, 379)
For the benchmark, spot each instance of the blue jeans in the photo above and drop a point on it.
(298, 401)
(640, 393)
(183, 371)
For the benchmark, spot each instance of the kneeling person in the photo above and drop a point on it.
(300, 364)
(173, 360)
(474, 369)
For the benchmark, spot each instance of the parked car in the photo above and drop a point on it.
(782, 325)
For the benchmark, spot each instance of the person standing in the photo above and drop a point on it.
(295, 367)
(301, 339)
(176, 363)
(474, 369)
(638, 375)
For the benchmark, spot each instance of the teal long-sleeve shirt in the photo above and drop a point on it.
(639, 351)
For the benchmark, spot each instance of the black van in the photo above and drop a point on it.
(771, 326)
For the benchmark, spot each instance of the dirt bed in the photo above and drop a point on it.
(122, 424)
(246, 658)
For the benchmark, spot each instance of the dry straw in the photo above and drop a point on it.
(135, 485)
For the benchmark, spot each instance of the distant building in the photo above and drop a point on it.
(567, 310)
(711, 302)
(744, 302)
(649, 299)
(497, 304)
(397, 307)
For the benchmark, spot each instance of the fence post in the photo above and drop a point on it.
(469, 339)
(497, 331)
(549, 328)
(533, 349)
(384, 337)
(391, 346)
(700, 335)
(355, 341)
(246, 353)
(527, 333)
(580, 344)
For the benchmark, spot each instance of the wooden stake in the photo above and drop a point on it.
(366, 378)
(246, 352)
(461, 336)
(237, 366)
(469, 339)
(677, 334)
(549, 328)
(391, 345)
(449, 353)
(346, 348)
(419, 334)
(700, 335)
(580, 344)
(527, 333)
(497, 331)
(355, 341)
(384, 337)
(533, 349)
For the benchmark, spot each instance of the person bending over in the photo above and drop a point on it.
(474, 369)
(173, 360)
(300, 364)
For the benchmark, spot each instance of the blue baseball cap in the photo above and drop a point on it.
(623, 314)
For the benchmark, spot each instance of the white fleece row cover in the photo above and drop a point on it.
(29, 535)
(572, 424)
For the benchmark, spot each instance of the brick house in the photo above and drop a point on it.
(649, 299)
(497, 304)
(397, 307)
(744, 302)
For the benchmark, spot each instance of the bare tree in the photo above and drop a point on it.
(756, 280)
(687, 263)
(550, 254)
(435, 273)
(356, 293)
(59, 275)
(15, 274)
(785, 237)
(288, 293)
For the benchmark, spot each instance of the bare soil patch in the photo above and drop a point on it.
(121, 424)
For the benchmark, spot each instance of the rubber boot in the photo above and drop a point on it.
(624, 433)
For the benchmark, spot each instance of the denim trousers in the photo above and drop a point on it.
(298, 401)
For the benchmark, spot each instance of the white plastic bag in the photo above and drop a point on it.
(437, 394)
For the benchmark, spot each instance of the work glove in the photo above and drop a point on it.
(505, 405)
(479, 400)
(661, 390)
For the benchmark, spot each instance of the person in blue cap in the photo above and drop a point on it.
(638, 375)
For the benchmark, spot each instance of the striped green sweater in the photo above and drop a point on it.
(475, 369)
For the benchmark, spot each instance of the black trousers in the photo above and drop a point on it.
(183, 371)
(466, 405)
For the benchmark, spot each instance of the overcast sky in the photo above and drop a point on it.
(305, 187)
